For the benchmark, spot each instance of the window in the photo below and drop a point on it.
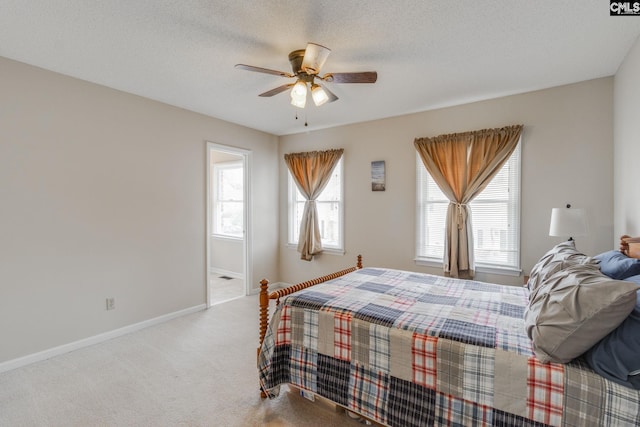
(330, 211)
(228, 192)
(495, 218)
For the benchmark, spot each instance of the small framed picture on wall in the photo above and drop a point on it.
(377, 176)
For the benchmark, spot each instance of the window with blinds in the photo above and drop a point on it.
(330, 207)
(495, 216)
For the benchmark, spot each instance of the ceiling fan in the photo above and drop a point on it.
(306, 65)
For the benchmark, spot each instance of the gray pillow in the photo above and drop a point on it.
(557, 258)
(573, 309)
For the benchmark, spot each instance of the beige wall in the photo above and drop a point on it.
(627, 146)
(102, 194)
(567, 158)
(226, 256)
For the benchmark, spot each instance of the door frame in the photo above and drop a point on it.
(248, 236)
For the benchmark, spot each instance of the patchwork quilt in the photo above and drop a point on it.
(412, 349)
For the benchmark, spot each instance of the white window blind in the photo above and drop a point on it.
(495, 216)
(330, 211)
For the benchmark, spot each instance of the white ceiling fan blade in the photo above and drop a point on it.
(315, 56)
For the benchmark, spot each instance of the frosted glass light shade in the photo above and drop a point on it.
(319, 95)
(299, 94)
(568, 222)
(300, 103)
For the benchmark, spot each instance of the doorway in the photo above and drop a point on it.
(228, 236)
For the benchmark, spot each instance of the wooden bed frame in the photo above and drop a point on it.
(265, 295)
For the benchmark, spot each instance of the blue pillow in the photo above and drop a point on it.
(634, 279)
(617, 355)
(617, 265)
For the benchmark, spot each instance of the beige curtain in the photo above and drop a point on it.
(462, 165)
(311, 172)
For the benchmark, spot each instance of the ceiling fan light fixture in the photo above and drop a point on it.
(299, 94)
(318, 94)
(299, 89)
(315, 56)
(300, 103)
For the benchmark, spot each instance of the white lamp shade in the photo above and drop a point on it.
(568, 222)
(299, 94)
(314, 58)
(297, 102)
(319, 95)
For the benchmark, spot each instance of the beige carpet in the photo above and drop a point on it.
(197, 370)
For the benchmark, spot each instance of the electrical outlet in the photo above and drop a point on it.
(111, 303)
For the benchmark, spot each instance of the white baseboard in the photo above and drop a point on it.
(278, 285)
(272, 287)
(86, 342)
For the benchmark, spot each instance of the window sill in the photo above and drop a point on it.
(224, 237)
(490, 269)
(327, 251)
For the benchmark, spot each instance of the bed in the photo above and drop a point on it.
(402, 348)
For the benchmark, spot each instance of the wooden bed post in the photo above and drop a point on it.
(264, 320)
(264, 310)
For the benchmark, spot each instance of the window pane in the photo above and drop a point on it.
(298, 209)
(231, 184)
(435, 218)
(329, 222)
(228, 215)
(231, 218)
(498, 188)
(333, 189)
(434, 194)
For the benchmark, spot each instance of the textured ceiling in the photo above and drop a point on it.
(428, 53)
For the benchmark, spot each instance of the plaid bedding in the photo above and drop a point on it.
(411, 349)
